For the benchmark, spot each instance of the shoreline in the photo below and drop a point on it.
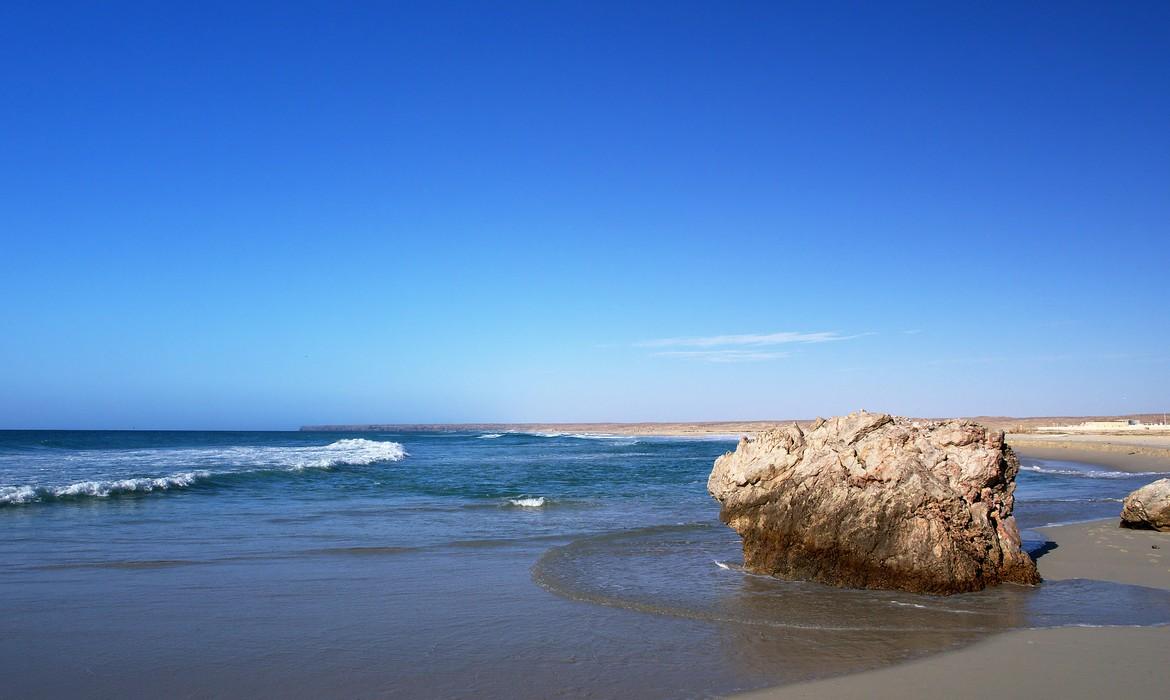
(1141, 453)
(1066, 662)
(642, 429)
(707, 428)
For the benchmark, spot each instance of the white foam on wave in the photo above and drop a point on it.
(696, 437)
(580, 436)
(357, 452)
(528, 502)
(1086, 473)
(602, 436)
(956, 611)
(1076, 500)
(203, 463)
(17, 494)
(1063, 523)
(728, 566)
(99, 489)
(490, 436)
(909, 605)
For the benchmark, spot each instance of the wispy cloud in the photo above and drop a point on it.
(748, 340)
(746, 347)
(725, 356)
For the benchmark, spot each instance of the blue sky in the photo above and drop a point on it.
(225, 217)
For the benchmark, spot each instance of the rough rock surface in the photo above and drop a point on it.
(1148, 508)
(871, 501)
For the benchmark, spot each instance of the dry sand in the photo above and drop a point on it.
(1068, 663)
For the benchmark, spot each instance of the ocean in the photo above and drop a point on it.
(455, 564)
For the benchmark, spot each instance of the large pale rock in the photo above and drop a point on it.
(1148, 508)
(871, 501)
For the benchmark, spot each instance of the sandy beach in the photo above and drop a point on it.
(1065, 662)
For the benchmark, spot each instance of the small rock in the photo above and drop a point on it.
(1148, 508)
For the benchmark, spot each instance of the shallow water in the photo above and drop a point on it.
(446, 565)
(681, 571)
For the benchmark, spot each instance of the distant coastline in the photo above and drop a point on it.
(699, 428)
(1122, 451)
(664, 429)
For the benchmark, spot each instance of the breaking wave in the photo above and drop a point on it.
(625, 439)
(356, 452)
(630, 439)
(528, 502)
(98, 489)
(203, 465)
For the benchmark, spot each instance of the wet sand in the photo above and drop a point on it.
(1065, 662)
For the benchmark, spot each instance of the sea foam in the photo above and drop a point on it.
(98, 489)
(1086, 473)
(356, 452)
(528, 502)
(579, 436)
(204, 464)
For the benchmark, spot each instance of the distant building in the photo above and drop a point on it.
(1127, 425)
(1108, 424)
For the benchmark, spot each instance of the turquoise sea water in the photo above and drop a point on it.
(447, 565)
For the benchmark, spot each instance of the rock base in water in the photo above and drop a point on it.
(871, 501)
